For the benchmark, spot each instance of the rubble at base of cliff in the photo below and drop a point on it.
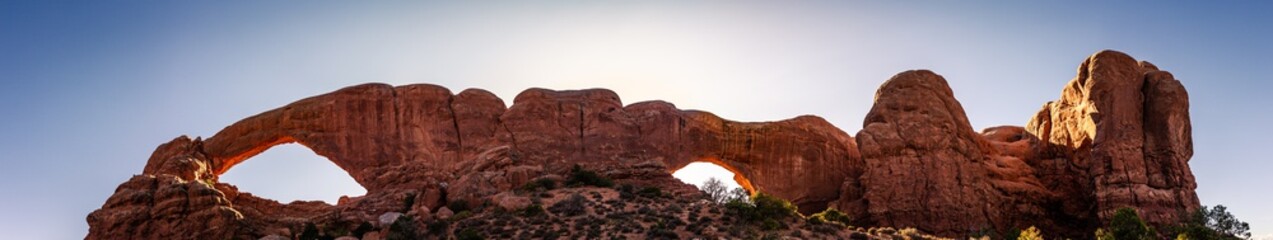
(622, 212)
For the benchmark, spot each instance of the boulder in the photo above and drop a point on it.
(388, 218)
(444, 213)
(510, 201)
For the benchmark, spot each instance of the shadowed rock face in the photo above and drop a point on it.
(924, 162)
(1119, 136)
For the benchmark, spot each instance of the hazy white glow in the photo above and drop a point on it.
(292, 172)
(698, 172)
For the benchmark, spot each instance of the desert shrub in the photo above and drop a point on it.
(582, 177)
(571, 206)
(661, 231)
(532, 210)
(310, 232)
(908, 231)
(769, 206)
(651, 192)
(770, 224)
(362, 229)
(403, 228)
(540, 184)
(625, 191)
(645, 210)
(1127, 225)
(831, 216)
(468, 234)
(761, 208)
(858, 236)
(1031, 233)
(438, 227)
(459, 205)
(407, 202)
(676, 208)
(1101, 234)
(461, 215)
(1013, 233)
(741, 209)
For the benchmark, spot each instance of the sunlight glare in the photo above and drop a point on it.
(305, 176)
(698, 172)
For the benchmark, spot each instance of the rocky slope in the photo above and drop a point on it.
(1119, 136)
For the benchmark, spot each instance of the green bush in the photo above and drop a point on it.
(626, 191)
(741, 209)
(461, 215)
(761, 208)
(769, 206)
(532, 210)
(1013, 234)
(468, 234)
(831, 216)
(582, 177)
(540, 184)
(661, 231)
(1127, 225)
(458, 206)
(770, 224)
(407, 202)
(570, 206)
(403, 228)
(651, 192)
(362, 229)
(439, 227)
(309, 233)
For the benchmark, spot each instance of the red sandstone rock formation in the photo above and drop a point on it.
(925, 166)
(1118, 137)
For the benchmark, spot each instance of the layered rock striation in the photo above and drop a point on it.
(1119, 136)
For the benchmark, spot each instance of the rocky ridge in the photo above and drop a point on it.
(1119, 136)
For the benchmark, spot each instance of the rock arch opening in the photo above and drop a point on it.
(698, 172)
(289, 172)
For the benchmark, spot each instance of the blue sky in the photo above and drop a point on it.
(87, 90)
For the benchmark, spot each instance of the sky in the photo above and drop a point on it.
(89, 89)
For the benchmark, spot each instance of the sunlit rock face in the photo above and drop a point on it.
(1118, 137)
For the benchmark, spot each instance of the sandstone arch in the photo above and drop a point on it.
(805, 160)
(369, 128)
(920, 164)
